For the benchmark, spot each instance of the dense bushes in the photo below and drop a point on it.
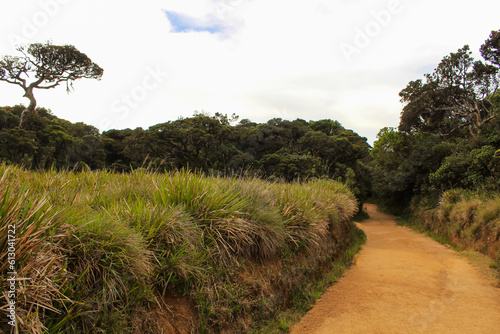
(47, 141)
(105, 252)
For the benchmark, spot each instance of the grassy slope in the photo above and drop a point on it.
(118, 253)
(467, 220)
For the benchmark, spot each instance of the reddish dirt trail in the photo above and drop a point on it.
(404, 282)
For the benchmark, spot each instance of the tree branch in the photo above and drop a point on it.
(13, 82)
(51, 86)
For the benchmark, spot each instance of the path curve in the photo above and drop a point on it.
(404, 282)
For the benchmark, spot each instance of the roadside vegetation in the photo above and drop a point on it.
(440, 168)
(465, 219)
(104, 252)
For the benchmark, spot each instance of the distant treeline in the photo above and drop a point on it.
(279, 148)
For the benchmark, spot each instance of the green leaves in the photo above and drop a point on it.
(454, 96)
(57, 63)
(490, 50)
(464, 169)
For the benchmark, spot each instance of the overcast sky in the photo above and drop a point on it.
(309, 59)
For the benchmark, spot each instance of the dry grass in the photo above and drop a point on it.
(490, 211)
(39, 263)
(469, 220)
(463, 213)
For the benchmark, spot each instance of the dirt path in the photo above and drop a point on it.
(404, 282)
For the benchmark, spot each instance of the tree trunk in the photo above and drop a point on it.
(30, 109)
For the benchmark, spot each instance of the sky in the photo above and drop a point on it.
(260, 59)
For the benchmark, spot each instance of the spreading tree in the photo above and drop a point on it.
(45, 66)
(456, 95)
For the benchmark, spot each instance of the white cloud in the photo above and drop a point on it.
(280, 59)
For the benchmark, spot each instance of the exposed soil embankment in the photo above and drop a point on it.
(404, 282)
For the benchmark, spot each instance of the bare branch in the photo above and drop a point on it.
(50, 86)
(12, 82)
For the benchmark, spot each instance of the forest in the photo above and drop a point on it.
(280, 148)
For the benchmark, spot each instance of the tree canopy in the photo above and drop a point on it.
(456, 95)
(490, 50)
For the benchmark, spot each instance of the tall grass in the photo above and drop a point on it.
(37, 262)
(95, 249)
(467, 219)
